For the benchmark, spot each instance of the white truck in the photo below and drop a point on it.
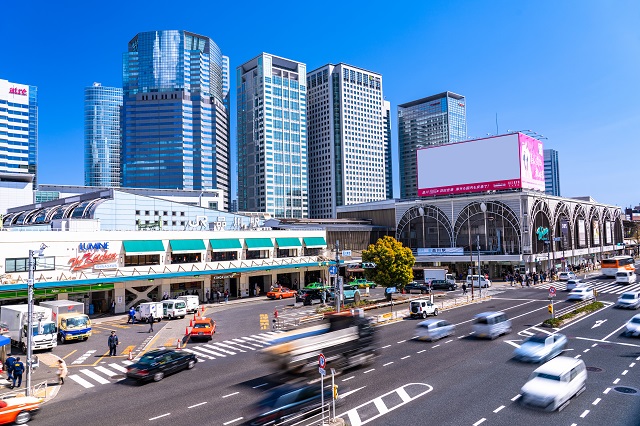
(192, 301)
(174, 308)
(438, 275)
(145, 309)
(72, 322)
(17, 319)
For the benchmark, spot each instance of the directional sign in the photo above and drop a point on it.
(346, 253)
(333, 270)
(322, 371)
(598, 323)
(552, 291)
(322, 361)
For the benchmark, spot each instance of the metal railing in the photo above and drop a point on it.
(572, 308)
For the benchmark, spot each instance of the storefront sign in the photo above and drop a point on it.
(90, 260)
(441, 251)
(17, 91)
(93, 246)
(104, 266)
(543, 233)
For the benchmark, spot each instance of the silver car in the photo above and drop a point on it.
(629, 299)
(541, 348)
(572, 284)
(434, 329)
(581, 293)
(632, 327)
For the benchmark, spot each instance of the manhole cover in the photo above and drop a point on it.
(624, 389)
(594, 369)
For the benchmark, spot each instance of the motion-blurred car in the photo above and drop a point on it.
(203, 328)
(310, 296)
(629, 300)
(414, 287)
(18, 410)
(434, 329)
(632, 328)
(316, 286)
(554, 383)
(289, 402)
(281, 293)
(156, 364)
(541, 348)
(362, 283)
(566, 276)
(572, 284)
(581, 293)
(491, 324)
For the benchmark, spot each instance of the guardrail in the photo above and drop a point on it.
(39, 390)
(572, 308)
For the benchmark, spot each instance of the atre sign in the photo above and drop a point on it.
(17, 91)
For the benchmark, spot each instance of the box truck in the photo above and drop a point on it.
(17, 319)
(69, 316)
(145, 309)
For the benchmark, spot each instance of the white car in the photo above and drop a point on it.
(581, 293)
(575, 283)
(566, 276)
(633, 326)
(433, 329)
(629, 299)
(541, 347)
(553, 384)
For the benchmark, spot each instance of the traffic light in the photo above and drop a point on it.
(335, 391)
(550, 308)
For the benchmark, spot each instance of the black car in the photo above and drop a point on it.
(311, 296)
(414, 287)
(443, 285)
(155, 364)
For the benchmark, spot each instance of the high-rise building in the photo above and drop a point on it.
(388, 171)
(19, 129)
(102, 107)
(175, 124)
(226, 82)
(434, 120)
(551, 172)
(347, 141)
(272, 136)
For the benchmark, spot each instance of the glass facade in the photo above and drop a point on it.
(174, 121)
(272, 137)
(102, 135)
(551, 172)
(435, 120)
(18, 128)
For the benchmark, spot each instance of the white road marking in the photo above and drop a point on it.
(215, 346)
(586, 350)
(596, 401)
(82, 382)
(450, 340)
(638, 359)
(232, 421)
(380, 405)
(540, 330)
(632, 365)
(479, 422)
(95, 376)
(512, 343)
(404, 396)
(259, 386)
(435, 346)
(209, 349)
(230, 394)
(577, 356)
(616, 381)
(583, 415)
(419, 352)
(606, 391)
(614, 331)
(197, 405)
(389, 363)
(607, 341)
(594, 345)
(160, 416)
(516, 397)
(497, 410)
(384, 347)
(191, 351)
(118, 367)
(232, 342)
(369, 371)
(409, 356)
(352, 391)
(106, 371)
(624, 373)
(348, 378)
(401, 341)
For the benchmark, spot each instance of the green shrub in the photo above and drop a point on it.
(591, 307)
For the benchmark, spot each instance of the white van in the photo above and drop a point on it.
(192, 301)
(173, 308)
(484, 281)
(145, 309)
(625, 277)
(491, 324)
(554, 383)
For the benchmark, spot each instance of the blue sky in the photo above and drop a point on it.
(565, 69)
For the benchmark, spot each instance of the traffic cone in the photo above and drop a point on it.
(178, 345)
(194, 315)
(190, 323)
(130, 357)
(186, 332)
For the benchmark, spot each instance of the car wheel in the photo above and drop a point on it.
(356, 298)
(170, 317)
(22, 418)
(191, 364)
(158, 376)
(280, 297)
(424, 315)
(451, 288)
(435, 312)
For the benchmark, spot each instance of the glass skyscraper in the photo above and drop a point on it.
(102, 135)
(174, 121)
(272, 136)
(551, 172)
(434, 120)
(18, 129)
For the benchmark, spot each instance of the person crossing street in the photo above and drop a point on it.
(18, 370)
(113, 343)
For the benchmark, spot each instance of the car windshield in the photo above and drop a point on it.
(635, 320)
(628, 296)
(180, 305)
(482, 320)
(536, 339)
(49, 328)
(546, 376)
(149, 359)
(77, 322)
(201, 325)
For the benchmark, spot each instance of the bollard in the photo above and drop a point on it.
(178, 345)
(130, 357)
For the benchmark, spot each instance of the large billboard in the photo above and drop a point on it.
(496, 163)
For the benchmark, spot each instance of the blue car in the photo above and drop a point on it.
(541, 348)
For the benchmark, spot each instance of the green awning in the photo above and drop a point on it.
(314, 242)
(187, 246)
(258, 243)
(143, 246)
(285, 243)
(228, 244)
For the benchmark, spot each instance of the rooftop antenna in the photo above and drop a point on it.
(497, 132)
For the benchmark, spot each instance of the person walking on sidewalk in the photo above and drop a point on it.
(9, 363)
(150, 320)
(113, 343)
(62, 371)
(132, 316)
(18, 369)
(464, 288)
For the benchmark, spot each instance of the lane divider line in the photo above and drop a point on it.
(497, 410)
(482, 420)
(232, 421)
(160, 416)
(230, 394)
(596, 401)
(583, 415)
(197, 405)
(516, 397)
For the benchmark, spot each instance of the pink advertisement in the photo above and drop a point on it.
(531, 162)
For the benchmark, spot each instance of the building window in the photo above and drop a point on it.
(22, 264)
(149, 259)
(224, 256)
(146, 212)
(185, 258)
(138, 212)
(213, 205)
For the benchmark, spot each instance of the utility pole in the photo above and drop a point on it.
(32, 267)
(338, 292)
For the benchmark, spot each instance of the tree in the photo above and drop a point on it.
(394, 262)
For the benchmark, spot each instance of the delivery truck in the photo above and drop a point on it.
(69, 316)
(17, 319)
(145, 309)
(438, 275)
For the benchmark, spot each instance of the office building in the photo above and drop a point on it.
(346, 136)
(434, 120)
(102, 135)
(551, 172)
(19, 130)
(388, 170)
(226, 82)
(272, 136)
(175, 124)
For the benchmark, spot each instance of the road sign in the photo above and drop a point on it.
(346, 253)
(552, 291)
(557, 239)
(333, 270)
(322, 362)
(322, 371)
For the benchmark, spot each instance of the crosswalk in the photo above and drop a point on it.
(112, 372)
(604, 286)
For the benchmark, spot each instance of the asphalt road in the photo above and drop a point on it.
(456, 381)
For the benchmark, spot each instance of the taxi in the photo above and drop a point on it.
(18, 410)
(281, 293)
(203, 328)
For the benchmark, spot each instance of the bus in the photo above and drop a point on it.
(617, 264)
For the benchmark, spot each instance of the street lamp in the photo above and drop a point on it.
(32, 267)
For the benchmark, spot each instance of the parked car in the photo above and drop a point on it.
(362, 283)
(414, 287)
(541, 348)
(554, 383)
(491, 324)
(566, 276)
(629, 299)
(422, 308)
(632, 328)
(281, 293)
(316, 286)
(203, 328)
(581, 293)
(434, 329)
(443, 285)
(310, 296)
(575, 283)
(156, 364)
(18, 410)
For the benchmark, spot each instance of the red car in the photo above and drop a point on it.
(281, 293)
(18, 410)
(203, 328)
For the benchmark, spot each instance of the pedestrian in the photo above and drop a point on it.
(113, 343)
(208, 296)
(226, 296)
(132, 316)
(18, 369)
(9, 363)
(113, 307)
(464, 288)
(150, 320)
(62, 371)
